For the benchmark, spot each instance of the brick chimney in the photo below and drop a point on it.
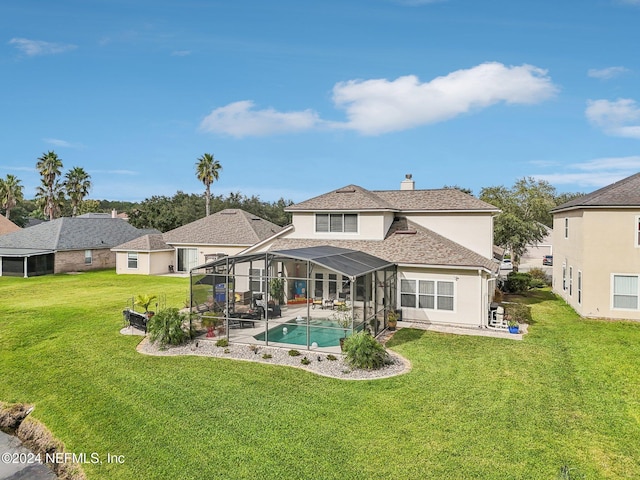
(408, 183)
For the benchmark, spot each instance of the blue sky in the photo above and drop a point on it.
(298, 97)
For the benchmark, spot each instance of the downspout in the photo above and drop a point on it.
(26, 267)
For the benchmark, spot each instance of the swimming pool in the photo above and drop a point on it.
(296, 333)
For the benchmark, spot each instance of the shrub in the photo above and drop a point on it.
(165, 327)
(364, 351)
(223, 342)
(518, 312)
(517, 282)
(305, 361)
(294, 353)
(267, 356)
(539, 274)
(331, 357)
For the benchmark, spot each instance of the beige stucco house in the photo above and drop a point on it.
(440, 240)
(223, 233)
(596, 242)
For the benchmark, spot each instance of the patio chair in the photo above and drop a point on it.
(497, 319)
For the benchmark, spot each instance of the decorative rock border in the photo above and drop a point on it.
(318, 361)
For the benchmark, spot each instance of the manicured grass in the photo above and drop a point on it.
(472, 407)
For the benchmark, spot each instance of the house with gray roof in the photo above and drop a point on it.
(440, 241)
(64, 245)
(596, 249)
(223, 233)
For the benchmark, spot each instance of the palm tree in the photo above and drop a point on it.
(77, 185)
(50, 200)
(207, 170)
(49, 166)
(10, 193)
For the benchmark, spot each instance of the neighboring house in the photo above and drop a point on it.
(7, 226)
(596, 246)
(64, 245)
(226, 232)
(114, 214)
(440, 241)
(536, 251)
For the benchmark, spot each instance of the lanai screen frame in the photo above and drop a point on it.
(374, 278)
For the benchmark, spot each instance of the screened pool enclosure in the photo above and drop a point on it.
(308, 297)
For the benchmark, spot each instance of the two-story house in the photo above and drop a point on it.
(441, 242)
(596, 243)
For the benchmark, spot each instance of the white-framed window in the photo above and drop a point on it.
(570, 281)
(624, 292)
(564, 276)
(637, 232)
(256, 280)
(132, 259)
(579, 287)
(88, 257)
(566, 228)
(430, 294)
(337, 222)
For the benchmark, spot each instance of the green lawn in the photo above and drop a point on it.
(472, 407)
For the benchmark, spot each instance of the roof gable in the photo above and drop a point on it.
(624, 193)
(232, 226)
(351, 197)
(146, 243)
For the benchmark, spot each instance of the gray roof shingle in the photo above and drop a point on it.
(355, 198)
(153, 242)
(623, 193)
(232, 226)
(72, 234)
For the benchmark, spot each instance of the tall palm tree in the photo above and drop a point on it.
(77, 185)
(50, 199)
(49, 165)
(207, 170)
(10, 193)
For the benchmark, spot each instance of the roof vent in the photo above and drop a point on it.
(408, 183)
(346, 190)
(406, 232)
(228, 213)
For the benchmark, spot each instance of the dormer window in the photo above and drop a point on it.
(337, 222)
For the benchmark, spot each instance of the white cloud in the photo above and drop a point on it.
(380, 106)
(606, 73)
(595, 173)
(62, 143)
(240, 119)
(620, 118)
(37, 47)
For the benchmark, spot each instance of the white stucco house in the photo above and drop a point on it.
(440, 243)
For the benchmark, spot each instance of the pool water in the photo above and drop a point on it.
(296, 333)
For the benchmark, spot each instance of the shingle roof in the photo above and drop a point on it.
(624, 193)
(232, 226)
(72, 234)
(146, 243)
(405, 243)
(7, 226)
(353, 197)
